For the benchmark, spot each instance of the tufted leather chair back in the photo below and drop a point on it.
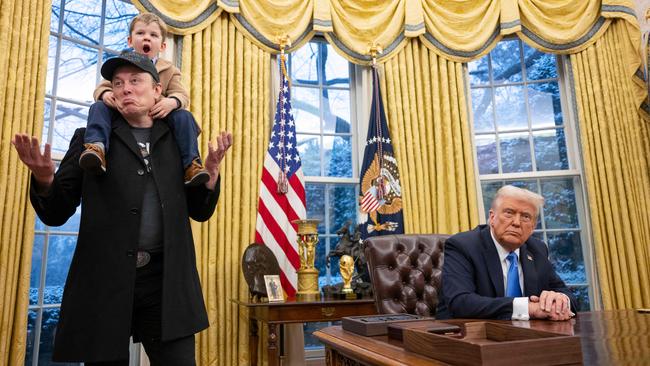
(406, 271)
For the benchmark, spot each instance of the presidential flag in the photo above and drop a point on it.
(282, 190)
(380, 202)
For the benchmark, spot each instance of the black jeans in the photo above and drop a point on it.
(146, 324)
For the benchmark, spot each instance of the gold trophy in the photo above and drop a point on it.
(307, 274)
(346, 266)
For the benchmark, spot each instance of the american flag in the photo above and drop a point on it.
(282, 190)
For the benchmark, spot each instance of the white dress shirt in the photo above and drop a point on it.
(519, 304)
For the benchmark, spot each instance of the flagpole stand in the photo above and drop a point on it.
(307, 274)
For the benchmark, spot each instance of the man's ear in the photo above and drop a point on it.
(491, 216)
(158, 91)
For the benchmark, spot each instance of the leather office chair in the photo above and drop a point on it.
(406, 272)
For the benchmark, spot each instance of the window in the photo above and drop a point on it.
(321, 99)
(523, 135)
(82, 33)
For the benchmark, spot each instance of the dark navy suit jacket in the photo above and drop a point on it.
(472, 278)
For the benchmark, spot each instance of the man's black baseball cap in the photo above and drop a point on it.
(142, 62)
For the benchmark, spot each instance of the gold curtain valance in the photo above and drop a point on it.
(459, 30)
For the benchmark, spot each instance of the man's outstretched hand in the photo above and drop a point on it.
(40, 164)
(216, 153)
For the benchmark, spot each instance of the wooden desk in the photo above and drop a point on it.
(293, 311)
(607, 338)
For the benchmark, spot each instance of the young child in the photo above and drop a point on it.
(147, 37)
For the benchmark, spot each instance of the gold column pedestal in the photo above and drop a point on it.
(307, 274)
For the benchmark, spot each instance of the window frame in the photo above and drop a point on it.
(574, 155)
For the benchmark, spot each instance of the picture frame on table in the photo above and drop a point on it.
(274, 288)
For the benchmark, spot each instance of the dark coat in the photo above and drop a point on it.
(95, 318)
(472, 278)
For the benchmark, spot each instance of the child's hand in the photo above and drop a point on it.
(109, 99)
(163, 107)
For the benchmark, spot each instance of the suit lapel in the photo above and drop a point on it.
(492, 261)
(527, 261)
(122, 130)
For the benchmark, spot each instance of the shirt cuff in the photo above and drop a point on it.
(520, 308)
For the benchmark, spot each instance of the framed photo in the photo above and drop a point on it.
(274, 288)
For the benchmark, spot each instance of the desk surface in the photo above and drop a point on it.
(607, 338)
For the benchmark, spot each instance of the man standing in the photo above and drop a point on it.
(134, 267)
(498, 271)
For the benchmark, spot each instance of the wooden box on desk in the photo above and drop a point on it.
(485, 343)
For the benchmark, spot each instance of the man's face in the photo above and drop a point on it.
(146, 39)
(135, 90)
(512, 221)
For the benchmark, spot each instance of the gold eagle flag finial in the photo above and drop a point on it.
(373, 50)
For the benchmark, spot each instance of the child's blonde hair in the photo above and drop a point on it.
(148, 18)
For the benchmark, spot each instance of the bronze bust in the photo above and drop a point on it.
(258, 260)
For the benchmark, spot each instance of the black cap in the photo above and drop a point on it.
(142, 62)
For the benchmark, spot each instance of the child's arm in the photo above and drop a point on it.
(104, 92)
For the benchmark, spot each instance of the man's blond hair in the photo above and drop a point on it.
(148, 18)
(519, 193)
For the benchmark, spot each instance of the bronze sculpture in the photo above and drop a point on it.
(258, 260)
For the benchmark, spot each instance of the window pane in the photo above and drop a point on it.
(336, 104)
(68, 118)
(565, 250)
(309, 149)
(337, 69)
(486, 154)
(342, 207)
(550, 150)
(82, 20)
(77, 72)
(51, 63)
(54, 19)
(515, 152)
(582, 295)
(489, 190)
(48, 326)
(31, 334)
(116, 26)
(309, 329)
(539, 65)
(303, 64)
(315, 197)
(306, 109)
(506, 64)
(544, 105)
(560, 209)
(46, 120)
(72, 225)
(482, 110)
(478, 71)
(320, 261)
(510, 108)
(338, 156)
(59, 255)
(35, 273)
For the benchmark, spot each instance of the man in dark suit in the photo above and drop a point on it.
(134, 267)
(499, 271)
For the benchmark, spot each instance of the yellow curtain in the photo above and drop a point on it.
(229, 81)
(24, 44)
(424, 95)
(616, 152)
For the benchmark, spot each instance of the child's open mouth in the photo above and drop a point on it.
(146, 48)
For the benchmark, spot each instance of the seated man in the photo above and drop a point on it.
(498, 271)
